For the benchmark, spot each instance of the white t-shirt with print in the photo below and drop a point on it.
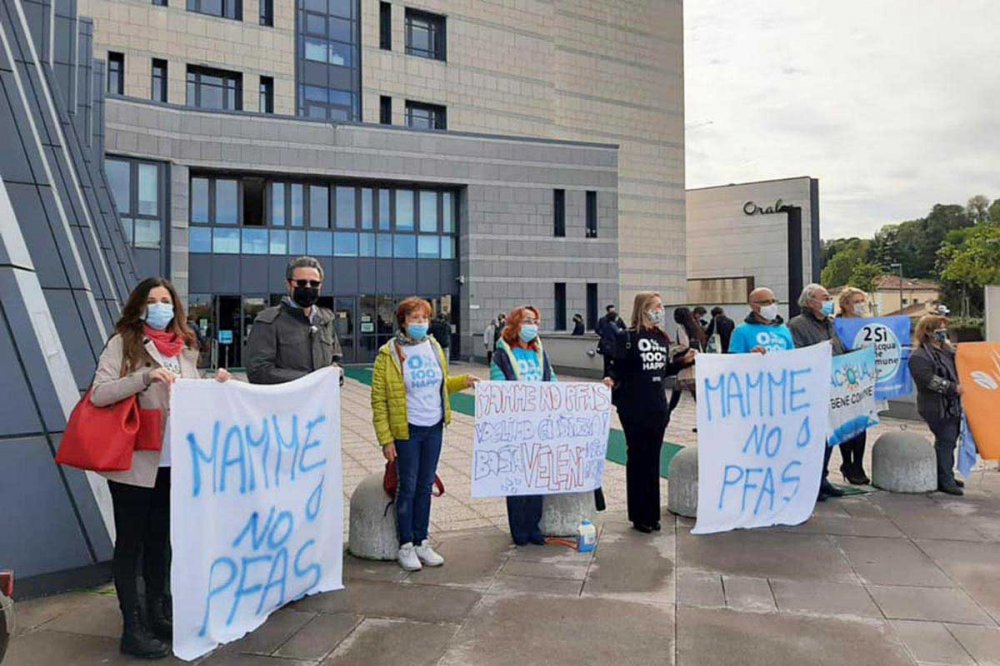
(422, 375)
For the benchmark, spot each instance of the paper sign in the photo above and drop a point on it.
(256, 503)
(852, 395)
(762, 426)
(890, 336)
(979, 376)
(225, 337)
(539, 438)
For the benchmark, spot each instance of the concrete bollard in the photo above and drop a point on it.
(373, 534)
(904, 462)
(682, 484)
(563, 513)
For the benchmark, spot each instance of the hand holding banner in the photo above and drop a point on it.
(762, 425)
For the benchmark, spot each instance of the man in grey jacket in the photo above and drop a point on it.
(295, 338)
(813, 326)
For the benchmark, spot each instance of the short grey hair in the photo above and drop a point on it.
(303, 262)
(809, 293)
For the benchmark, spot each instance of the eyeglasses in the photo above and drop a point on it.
(307, 283)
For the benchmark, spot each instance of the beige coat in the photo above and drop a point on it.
(110, 387)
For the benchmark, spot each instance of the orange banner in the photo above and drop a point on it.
(979, 376)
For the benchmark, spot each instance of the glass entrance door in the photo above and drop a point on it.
(229, 333)
(252, 305)
(343, 324)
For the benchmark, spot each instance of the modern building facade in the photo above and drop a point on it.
(748, 235)
(482, 155)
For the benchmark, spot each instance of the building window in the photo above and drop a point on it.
(230, 9)
(385, 26)
(329, 58)
(159, 3)
(266, 94)
(426, 116)
(385, 110)
(591, 214)
(559, 213)
(116, 73)
(214, 89)
(591, 306)
(159, 93)
(267, 13)
(216, 201)
(137, 189)
(425, 34)
(560, 295)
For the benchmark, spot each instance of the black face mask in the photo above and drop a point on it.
(305, 297)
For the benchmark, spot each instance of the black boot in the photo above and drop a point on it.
(137, 640)
(159, 611)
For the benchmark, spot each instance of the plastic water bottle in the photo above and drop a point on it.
(587, 537)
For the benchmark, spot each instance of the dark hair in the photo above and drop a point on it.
(693, 329)
(130, 325)
(610, 307)
(699, 311)
(303, 262)
(716, 311)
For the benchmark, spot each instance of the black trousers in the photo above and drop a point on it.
(524, 513)
(607, 364)
(142, 524)
(643, 440)
(827, 452)
(946, 431)
(852, 452)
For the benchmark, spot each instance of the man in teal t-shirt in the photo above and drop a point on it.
(763, 330)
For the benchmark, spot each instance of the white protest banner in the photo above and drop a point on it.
(539, 438)
(256, 503)
(762, 426)
(852, 395)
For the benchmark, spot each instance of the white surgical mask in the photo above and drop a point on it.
(655, 316)
(859, 309)
(769, 312)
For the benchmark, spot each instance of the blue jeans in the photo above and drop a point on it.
(417, 461)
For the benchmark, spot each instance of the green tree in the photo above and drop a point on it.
(975, 263)
(978, 209)
(864, 275)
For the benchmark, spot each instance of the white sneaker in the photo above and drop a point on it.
(428, 555)
(407, 558)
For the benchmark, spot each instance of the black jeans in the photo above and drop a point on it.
(946, 431)
(142, 526)
(524, 513)
(643, 440)
(852, 452)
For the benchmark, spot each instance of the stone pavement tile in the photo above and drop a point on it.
(268, 637)
(424, 603)
(764, 554)
(983, 643)
(34, 613)
(223, 658)
(506, 585)
(748, 594)
(356, 568)
(563, 570)
(818, 598)
(56, 648)
(96, 616)
(695, 588)
(928, 604)
(861, 507)
(471, 560)
(973, 565)
(319, 637)
(931, 643)
(393, 642)
(641, 571)
(891, 562)
(707, 637)
(558, 631)
(848, 525)
(936, 524)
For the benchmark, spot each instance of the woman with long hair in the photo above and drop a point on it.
(152, 347)
(520, 357)
(410, 409)
(932, 365)
(853, 303)
(690, 335)
(642, 362)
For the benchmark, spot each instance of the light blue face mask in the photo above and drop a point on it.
(159, 315)
(528, 333)
(417, 331)
(828, 308)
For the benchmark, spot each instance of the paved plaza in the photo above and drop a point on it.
(875, 578)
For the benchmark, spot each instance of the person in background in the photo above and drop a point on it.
(441, 330)
(852, 303)
(813, 326)
(578, 327)
(641, 363)
(763, 330)
(498, 330)
(152, 346)
(700, 315)
(932, 365)
(290, 340)
(608, 329)
(690, 335)
(489, 342)
(410, 409)
(722, 326)
(520, 357)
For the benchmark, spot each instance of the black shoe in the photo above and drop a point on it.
(159, 612)
(960, 483)
(642, 527)
(519, 542)
(830, 490)
(951, 490)
(856, 479)
(537, 539)
(138, 641)
(656, 526)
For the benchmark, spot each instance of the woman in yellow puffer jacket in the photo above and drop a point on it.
(410, 408)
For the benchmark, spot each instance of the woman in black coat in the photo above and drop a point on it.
(932, 365)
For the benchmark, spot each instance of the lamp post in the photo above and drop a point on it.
(899, 267)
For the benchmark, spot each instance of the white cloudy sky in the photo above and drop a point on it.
(893, 104)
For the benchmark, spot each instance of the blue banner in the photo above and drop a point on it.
(890, 336)
(852, 395)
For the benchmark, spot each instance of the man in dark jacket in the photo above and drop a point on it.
(813, 326)
(578, 327)
(722, 326)
(295, 338)
(441, 330)
(607, 329)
